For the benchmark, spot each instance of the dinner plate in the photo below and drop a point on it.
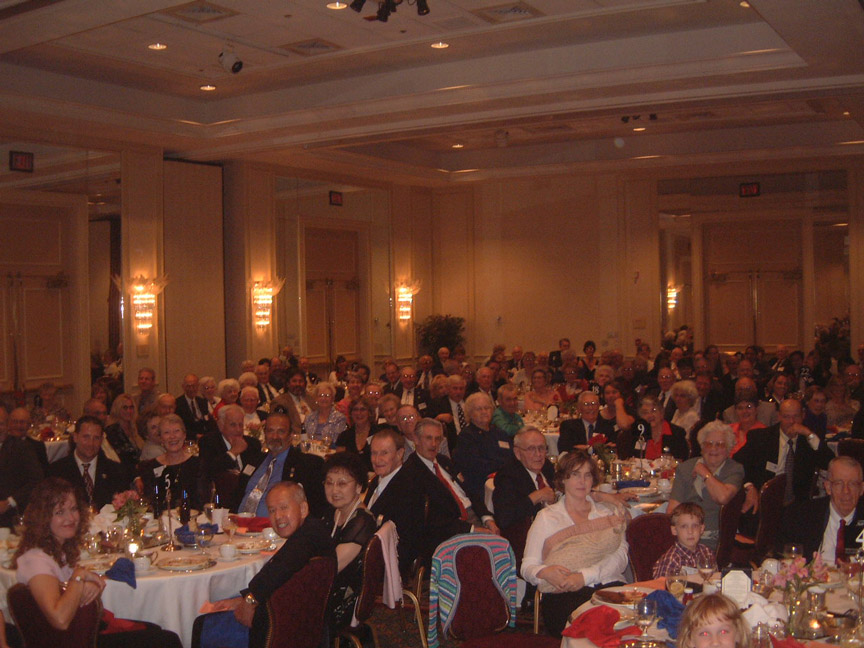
(186, 564)
(252, 546)
(641, 491)
(623, 597)
(98, 565)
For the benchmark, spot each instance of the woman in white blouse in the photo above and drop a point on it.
(576, 545)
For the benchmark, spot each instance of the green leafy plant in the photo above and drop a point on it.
(440, 330)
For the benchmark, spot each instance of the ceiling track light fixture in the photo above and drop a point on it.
(385, 8)
(229, 61)
(357, 5)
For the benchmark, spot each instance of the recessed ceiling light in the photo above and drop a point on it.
(208, 87)
(458, 146)
(336, 5)
(744, 4)
(846, 113)
(440, 45)
(157, 46)
(638, 129)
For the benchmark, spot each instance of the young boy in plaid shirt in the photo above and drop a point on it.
(688, 524)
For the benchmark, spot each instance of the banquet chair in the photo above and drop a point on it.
(851, 448)
(37, 632)
(482, 612)
(297, 609)
(730, 514)
(648, 536)
(371, 588)
(749, 551)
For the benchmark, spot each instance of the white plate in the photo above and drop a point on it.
(252, 546)
(599, 599)
(641, 491)
(186, 564)
(98, 565)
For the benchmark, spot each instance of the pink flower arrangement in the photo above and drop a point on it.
(127, 504)
(796, 575)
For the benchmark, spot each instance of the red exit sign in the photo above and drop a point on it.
(748, 189)
(20, 161)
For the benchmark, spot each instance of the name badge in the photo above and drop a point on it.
(421, 406)
(248, 469)
(771, 467)
(504, 444)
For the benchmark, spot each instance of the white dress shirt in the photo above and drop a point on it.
(382, 485)
(828, 549)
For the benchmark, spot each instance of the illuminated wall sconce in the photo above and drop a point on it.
(405, 292)
(263, 293)
(671, 297)
(143, 291)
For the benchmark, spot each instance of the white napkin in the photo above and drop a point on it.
(760, 610)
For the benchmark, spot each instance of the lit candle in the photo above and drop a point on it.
(133, 548)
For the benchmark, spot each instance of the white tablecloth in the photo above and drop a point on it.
(171, 600)
(56, 450)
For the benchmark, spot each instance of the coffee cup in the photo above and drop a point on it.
(142, 563)
(605, 488)
(219, 515)
(269, 534)
(228, 551)
(664, 485)
(771, 565)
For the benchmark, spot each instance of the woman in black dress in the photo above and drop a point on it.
(356, 439)
(352, 526)
(175, 469)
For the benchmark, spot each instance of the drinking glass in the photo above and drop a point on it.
(792, 550)
(706, 567)
(646, 612)
(203, 538)
(676, 583)
(229, 526)
(208, 511)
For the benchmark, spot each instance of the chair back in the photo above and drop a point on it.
(730, 513)
(297, 608)
(770, 513)
(851, 448)
(37, 632)
(372, 579)
(517, 535)
(226, 484)
(648, 536)
(481, 609)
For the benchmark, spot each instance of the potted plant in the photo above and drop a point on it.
(440, 330)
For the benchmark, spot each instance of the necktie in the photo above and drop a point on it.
(375, 495)
(789, 468)
(463, 423)
(255, 495)
(463, 512)
(840, 551)
(88, 481)
(541, 483)
(590, 431)
(194, 407)
(426, 380)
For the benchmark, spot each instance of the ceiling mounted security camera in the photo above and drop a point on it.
(230, 62)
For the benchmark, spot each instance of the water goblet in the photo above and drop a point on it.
(646, 612)
(229, 526)
(705, 567)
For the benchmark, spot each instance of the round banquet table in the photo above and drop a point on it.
(170, 599)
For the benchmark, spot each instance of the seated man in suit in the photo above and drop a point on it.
(395, 494)
(306, 537)
(88, 468)
(284, 462)
(19, 424)
(577, 433)
(450, 409)
(829, 525)
(766, 413)
(781, 449)
(266, 391)
(451, 511)
(193, 409)
(229, 451)
(409, 393)
(294, 401)
(20, 471)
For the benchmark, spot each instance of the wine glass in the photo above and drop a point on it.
(229, 526)
(208, 511)
(705, 567)
(203, 538)
(646, 612)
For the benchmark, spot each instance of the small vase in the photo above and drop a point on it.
(796, 602)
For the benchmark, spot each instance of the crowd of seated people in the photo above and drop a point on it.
(431, 434)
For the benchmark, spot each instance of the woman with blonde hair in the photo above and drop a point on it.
(122, 433)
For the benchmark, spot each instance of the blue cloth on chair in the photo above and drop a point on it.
(633, 483)
(222, 630)
(669, 611)
(123, 570)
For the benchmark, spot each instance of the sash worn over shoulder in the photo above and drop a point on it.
(583, 545)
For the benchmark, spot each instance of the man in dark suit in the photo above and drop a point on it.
(390, 378)
(665, 380)
(409, 393)
(450, 510)
(88, 468)
(396, 494)
(709, 403)
(193, 409)
(20, 471)
(228, 457)
(579, 432)
(266, 391)
(450, 410)
(819, 524)
(305, 538)
(284, 462)
(555, 360)
(19, 424)
(294, 401)
(424, 372)
(484, 381)
(766, 454)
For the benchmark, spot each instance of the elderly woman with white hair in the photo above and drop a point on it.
(685, 396)
(326, 423)
(208, 390)
(711, 480)
(483, 448)
(229, 392)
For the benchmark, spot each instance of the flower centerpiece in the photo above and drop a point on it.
(129, 505)
(603, 450)
(794, 577)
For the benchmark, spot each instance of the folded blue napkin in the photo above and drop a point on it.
(222, 630)
(123, 570)
(669, 611)
(633, 483)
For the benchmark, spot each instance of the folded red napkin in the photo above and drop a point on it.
(253, 524)
(113, 624)
(598, 626)
(788, 642)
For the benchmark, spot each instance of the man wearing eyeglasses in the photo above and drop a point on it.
(829, 525)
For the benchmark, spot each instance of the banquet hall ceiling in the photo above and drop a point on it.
(527, 84)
